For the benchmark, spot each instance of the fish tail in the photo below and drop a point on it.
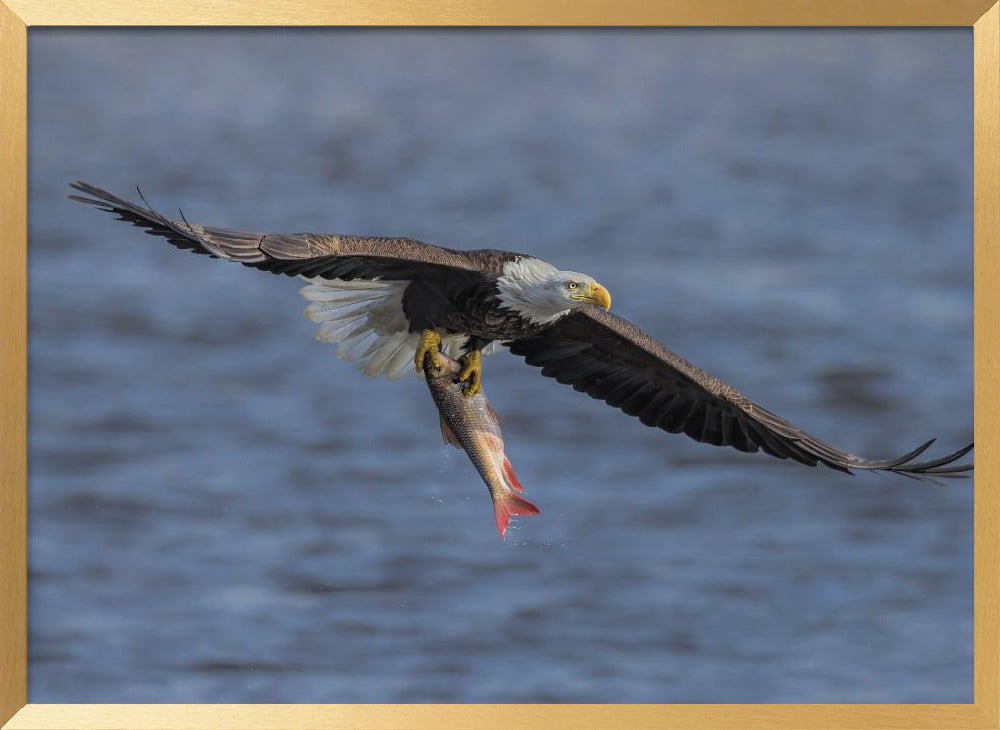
(508, 505)
(508, 474)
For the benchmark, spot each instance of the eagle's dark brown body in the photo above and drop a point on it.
(463, 302)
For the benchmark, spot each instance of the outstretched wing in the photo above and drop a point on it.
(611, 359)
(307, 254)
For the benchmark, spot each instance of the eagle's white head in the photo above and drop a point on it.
(541, 293)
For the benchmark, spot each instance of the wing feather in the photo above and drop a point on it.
(612, 360)
(326, 256)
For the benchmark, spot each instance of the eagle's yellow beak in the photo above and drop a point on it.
(599, 296)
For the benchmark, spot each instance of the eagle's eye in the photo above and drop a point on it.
(573, 285)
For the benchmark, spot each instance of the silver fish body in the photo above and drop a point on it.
(471, 424)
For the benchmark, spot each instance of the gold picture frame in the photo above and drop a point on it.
(983, 16)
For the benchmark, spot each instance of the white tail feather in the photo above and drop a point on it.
(365, 320)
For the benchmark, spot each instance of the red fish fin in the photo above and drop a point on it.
(508, 474)
(508, 506)
(448, 435)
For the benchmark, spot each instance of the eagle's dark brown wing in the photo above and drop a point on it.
(307, 254)
(611, 359)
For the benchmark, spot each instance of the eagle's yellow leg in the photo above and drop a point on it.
(430, 341)
(472, 371)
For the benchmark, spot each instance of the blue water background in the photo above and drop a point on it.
(222, 511)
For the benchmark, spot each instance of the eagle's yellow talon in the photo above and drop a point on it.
(472, 372)
(429, 344)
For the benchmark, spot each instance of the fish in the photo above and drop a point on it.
(471, 424)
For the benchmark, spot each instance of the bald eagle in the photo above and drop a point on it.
(388, 302)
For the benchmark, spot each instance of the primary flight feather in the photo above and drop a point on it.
(389, 303)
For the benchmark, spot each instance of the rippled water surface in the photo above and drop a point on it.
(222, 511)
